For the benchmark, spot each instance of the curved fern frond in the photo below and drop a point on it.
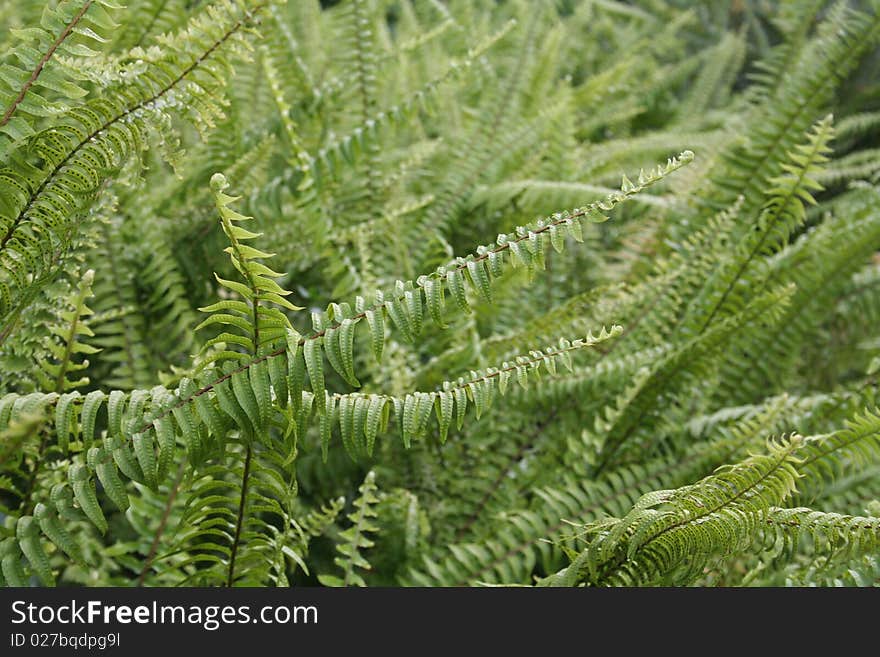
(63, 167)
(513, 545)
(255, 323)
(354, 539)
(670, 535)
(835, 535)
(36, 87)
(53, 376)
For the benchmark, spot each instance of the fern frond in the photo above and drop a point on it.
(670, 535)
(53, 376)
(834, 535)
(63, 167)
(36, 86)
(375, 144)
(256, 322)
(784, 211)
(354, 539)
(808, 80)
(513, 545)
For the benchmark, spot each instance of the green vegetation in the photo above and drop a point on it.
(439, 293)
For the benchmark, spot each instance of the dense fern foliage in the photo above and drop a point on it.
(439, 293)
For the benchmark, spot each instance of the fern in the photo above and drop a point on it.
(53, 376)
(670, 536)
(37, 85)
(354, 539)
(66, 164)
(256, 257)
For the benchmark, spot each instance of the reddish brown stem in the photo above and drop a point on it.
(42, 63)
(163, 524)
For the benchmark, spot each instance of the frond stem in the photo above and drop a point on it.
(239, 520)
(42, 63)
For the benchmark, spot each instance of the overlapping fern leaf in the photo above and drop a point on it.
(201, 388)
